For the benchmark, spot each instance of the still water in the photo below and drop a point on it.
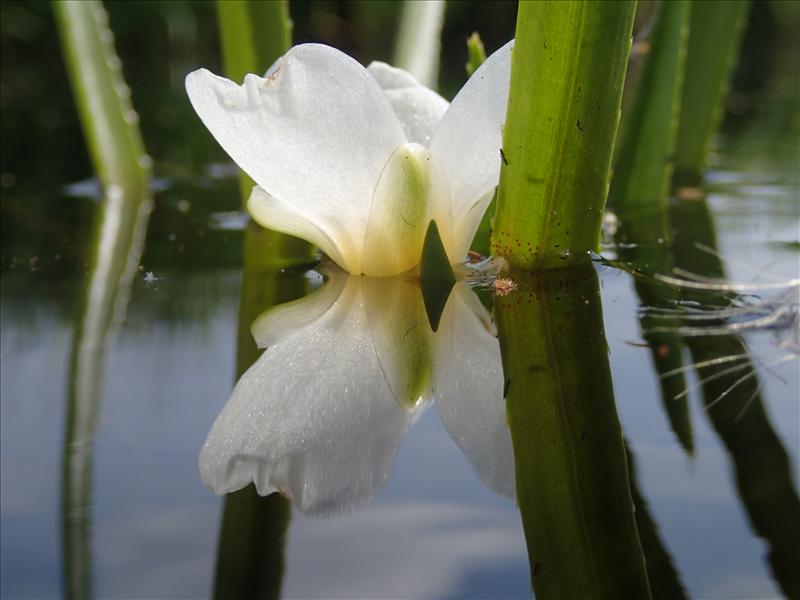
(387, 504)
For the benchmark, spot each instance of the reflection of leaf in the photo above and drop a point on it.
(736, 409)
(320, 416)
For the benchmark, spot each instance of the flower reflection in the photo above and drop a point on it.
(347, 370)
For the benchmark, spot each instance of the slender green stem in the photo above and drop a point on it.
(253, 36)
(716, 28)
(646, 151)
(117, 153)
(567, 73)
(110, 124)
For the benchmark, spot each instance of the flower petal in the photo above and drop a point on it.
(466, 143)
(313, 418)
(315, 134)
(469, 389)
(465, 228)
(418, 108)
(274, 214)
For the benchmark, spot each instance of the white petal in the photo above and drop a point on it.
(465, 228)
(314, 134)
(418, 108)
(272, 213)
(313, 418)
(469, 390)
(466, 143)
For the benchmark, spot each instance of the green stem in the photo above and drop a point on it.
(567, 72)
(117, 154)
(110, 124)
(716, 28)
(254, 35)
(639, 191)
(644, 161)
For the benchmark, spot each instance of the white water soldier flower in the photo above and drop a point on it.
(359, 161)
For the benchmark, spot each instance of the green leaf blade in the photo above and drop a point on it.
(716, 29)
(644, 161)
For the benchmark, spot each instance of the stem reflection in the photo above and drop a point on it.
(571, 473)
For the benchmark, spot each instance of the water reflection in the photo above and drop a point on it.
(733, 402)
(321, 414)
(700, 311)
(117, 245)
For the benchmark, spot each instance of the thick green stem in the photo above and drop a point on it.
(567, 73)
(571, 473)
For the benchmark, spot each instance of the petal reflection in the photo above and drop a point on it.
(321, 414)
(469, 390)
(314, 418)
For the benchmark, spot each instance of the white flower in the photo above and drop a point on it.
(321, 414)
(358, 161)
